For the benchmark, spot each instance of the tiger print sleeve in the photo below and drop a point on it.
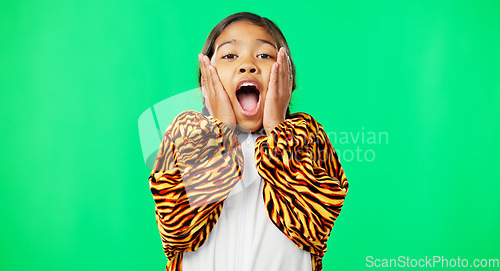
(305, 185)
(197, 165)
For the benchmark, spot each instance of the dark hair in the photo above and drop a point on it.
(272, 28)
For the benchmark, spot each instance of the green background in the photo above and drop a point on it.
(76, 75)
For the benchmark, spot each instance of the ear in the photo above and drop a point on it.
(212, 59)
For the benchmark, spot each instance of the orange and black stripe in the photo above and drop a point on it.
(199, 162)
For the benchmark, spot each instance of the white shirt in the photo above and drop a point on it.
(244, 238)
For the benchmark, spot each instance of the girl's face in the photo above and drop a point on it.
(244, 55)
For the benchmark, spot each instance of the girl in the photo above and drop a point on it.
(246, 185)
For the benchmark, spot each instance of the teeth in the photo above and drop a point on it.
(247, 84)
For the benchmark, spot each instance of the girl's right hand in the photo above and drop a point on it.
(216, 99)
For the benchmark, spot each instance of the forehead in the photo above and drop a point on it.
(244, 31)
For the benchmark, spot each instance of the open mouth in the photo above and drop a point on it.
(248, 96)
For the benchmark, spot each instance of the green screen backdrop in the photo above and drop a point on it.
(408, 92)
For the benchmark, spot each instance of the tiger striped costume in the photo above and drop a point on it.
(198, 164)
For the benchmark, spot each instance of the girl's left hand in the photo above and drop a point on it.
(279, 92)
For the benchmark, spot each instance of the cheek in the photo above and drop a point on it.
(266, 76)
(225, 77)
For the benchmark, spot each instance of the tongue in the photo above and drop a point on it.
(248, 101)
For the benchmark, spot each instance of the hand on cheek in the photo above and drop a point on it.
(216, 99)
(279, 92)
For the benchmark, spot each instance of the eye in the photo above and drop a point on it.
(264, 56)
(229, 56)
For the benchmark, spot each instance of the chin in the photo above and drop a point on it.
(250, 125)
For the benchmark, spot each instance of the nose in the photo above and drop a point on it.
(248, 65)
(243, 70)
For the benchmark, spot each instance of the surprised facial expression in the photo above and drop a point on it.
(244, 55)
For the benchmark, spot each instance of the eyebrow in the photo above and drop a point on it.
(234, 41)
(268, 42)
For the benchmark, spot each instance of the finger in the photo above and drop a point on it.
(214, 80)
(272, 96)
(203, 74)
(281, 72)
(289, 73)
(205, 86)
(273, 81)
(216, 83)
(210, 84)
(286, 62)
(202, 71)
(219, 94)
(286, 71)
